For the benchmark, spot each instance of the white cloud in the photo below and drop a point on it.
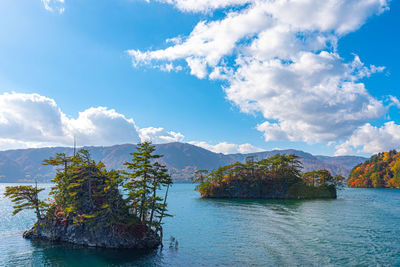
(103, 126)
(313, 99)
(170, 67)
(159, 135)
(202, 5)
(371, 139)
(6, 144)
(54, 5)
(198, 67)
(227, 148)
(209, 42)
(394, 101)
(286, 65)
(272, 131)
(32, 120)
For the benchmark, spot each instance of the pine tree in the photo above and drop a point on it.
(137, 185)
(161, 178)
(62, 163)
(144, 178)
(84, 190)
(26, 197)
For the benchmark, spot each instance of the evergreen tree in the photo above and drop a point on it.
(278, 172)
(144, 178)
(161, 178)
(26, 197)
(322, 177)
(199, 176)
(62, 179)
(85, 192)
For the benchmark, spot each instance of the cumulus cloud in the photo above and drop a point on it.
(272, 131)
(208, 42)
(283, 63)
(159, 135)
(227, 148)
(103, 126)
(372, 139)
(54, 5)
(32, 120)
(312, 99)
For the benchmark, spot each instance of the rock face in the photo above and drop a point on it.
(136, 237)
(244, 190)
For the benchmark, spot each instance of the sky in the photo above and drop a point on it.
(231, 76)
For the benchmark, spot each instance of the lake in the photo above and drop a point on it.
(360, 228)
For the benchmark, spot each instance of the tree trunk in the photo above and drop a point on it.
(163, 210)
(142, 209)
(36, 202)
(153, 204)
(38, 215)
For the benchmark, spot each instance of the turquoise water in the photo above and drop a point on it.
(360, 228)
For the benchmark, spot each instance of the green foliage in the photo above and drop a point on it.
(382, 170)
(144, 178)
(26, 197)
(322, 177)
(85, 192)
(279, 172)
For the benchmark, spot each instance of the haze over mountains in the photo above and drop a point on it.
(25, 165)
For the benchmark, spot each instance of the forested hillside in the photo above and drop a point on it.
(182, 160)
(380, 171)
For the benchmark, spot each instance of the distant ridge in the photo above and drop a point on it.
(182, 159)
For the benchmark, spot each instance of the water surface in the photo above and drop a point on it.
(360, 228)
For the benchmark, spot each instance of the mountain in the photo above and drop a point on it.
(25, 165)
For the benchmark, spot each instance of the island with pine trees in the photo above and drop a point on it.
(382, 170)
(92, 206)
(277, 177)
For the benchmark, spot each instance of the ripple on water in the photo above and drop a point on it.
(359, 228)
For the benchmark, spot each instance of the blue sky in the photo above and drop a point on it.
(76, 58)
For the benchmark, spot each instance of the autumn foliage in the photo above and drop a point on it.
(380, 171)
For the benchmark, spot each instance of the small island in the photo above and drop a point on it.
(92, 206)
(382, 170)
(277, 177)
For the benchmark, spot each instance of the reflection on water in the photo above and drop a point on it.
(279, 207)
(56, 254)
(359, 228)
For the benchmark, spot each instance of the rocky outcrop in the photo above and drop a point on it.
(243, 189)
(120, 236)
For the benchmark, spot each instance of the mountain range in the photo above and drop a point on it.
(182, 159)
